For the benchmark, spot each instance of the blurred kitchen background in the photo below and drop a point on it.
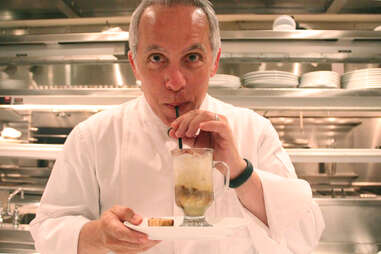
(312, 67)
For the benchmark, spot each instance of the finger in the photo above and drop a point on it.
(194, 124)
(123, 247)
(126, 214)
(218, 127)
(183, 124)
(116, 229)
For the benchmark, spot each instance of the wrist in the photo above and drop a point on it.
(242, 178)
(90, 239)
(237, 169)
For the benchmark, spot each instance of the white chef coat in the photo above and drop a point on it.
(122, 157)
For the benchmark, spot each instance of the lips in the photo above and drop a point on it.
(173, 105)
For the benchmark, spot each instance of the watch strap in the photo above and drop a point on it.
(242, 178)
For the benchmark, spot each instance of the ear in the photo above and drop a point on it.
(133, 65)
(215, 64)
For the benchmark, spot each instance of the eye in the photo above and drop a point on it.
(156, 58)
(193, 57)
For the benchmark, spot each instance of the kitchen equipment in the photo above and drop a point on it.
(13, 84)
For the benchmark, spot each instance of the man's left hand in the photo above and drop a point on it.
(199, 128)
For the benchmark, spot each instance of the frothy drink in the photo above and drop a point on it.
(193, 181)
(193, 201)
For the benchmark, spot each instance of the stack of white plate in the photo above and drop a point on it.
(320, 79)
(225, 81)
(365, 78)
(270, 79)
(284, 23)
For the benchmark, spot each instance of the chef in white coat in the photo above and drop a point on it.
(116, 166)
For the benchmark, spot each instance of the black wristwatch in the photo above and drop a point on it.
(242, 178)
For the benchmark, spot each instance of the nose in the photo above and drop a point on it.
(174, 79)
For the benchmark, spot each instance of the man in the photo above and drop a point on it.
(116, 166)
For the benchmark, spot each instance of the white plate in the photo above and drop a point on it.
(269, 72)
(222, 228)
(267, 85)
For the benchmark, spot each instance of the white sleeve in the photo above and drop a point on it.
(70, 199)
(295, 222)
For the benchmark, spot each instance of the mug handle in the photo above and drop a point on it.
(226, 176)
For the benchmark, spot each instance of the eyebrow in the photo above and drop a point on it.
(192, 47)
(196, 46)
(154, 47)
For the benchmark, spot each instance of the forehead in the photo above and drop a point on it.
(177, 24)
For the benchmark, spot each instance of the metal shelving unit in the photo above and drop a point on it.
(301, 99)
(50, 152)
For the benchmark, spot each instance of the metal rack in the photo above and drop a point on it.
(259, 98)
(50, 152)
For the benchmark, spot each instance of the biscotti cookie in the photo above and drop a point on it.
(158, 222)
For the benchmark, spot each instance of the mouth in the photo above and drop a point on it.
(173, 105)
(181, 106)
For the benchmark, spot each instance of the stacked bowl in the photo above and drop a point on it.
(320, 79)
(270, 79)
(364, 78)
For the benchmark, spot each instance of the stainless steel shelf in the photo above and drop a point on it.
(32, 151)
(63, 38)
(248, 45)
(50, 152)
(300, 99)
(300, 35)
(336, 155)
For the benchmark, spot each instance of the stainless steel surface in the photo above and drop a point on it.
(274, 50)
(12, 195)
(116, 75)
(27, 188)
(50, 152)
(351, 220)
(16, 239)
(335, 155)
(35, 151)
(313, 132)
(13, 10)
(302, 46)
(258, 99)
(240, 68)
(342, 179)
(25, 171)
(63, 38)
(62, 119)
(300, 34)
(225, 35)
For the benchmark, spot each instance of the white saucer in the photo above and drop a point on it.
(222, 228)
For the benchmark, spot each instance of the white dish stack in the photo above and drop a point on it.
(270, 79)
(224, 81)
(284, 23)
(364, 78)
(320, 79)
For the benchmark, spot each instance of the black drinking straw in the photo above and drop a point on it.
(180, 139)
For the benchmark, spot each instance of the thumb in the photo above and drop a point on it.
(126, 214)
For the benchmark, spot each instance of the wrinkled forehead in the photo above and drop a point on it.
(159, 14)
(180, 24)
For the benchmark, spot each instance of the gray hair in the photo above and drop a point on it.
(204, 5)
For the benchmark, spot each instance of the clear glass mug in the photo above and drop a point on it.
(193, 179)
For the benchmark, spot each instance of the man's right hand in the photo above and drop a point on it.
(108, 233)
